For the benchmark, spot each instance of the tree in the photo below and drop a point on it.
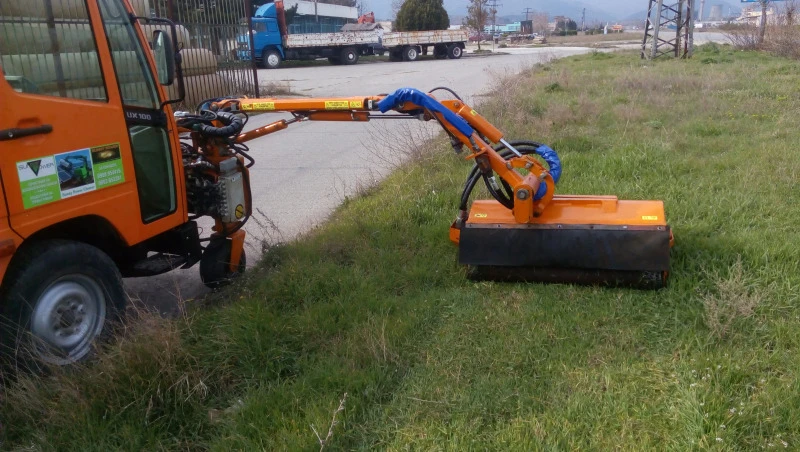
(541, 23)
(763, 26)
(478, 13)
(396, 5)
(420, 15)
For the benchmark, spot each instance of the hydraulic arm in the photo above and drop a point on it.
(526, 232)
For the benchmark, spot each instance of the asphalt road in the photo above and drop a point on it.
(303, 173)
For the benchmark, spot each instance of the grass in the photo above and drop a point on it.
(365, 334)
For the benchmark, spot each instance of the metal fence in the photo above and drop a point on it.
(47, 47)
(210, 34)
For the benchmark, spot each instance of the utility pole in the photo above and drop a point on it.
(583, 21)
(527, 12)
(493, 9)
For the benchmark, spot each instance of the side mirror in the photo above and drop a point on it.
(164, 54)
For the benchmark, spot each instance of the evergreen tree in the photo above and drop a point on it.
(420, 15)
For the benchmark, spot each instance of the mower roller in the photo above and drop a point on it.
(527, 232)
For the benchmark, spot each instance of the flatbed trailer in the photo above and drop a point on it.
(408, 45)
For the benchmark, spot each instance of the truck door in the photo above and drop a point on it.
(83, 130)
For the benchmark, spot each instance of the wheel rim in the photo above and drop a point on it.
(456, 52)
(67, 317)
(351, 56)
(273, 59)
(412, 53)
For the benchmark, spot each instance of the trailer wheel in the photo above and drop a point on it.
(440, 51)
(349, 56)
(271, 59)
(410, 53)
(454, 52)
(63, 297)
(215, 267)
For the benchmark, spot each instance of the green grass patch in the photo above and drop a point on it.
(373, 305)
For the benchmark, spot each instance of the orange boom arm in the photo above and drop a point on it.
(524, 187)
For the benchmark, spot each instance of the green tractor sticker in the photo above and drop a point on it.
(68, 174)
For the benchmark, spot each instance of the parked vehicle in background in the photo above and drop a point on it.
(475, 37)
(272, 44)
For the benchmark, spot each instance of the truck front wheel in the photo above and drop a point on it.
(271, 59)
(349, 56)
(62, 297)
(454, 52)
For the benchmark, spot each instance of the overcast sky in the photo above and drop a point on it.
(620, 8)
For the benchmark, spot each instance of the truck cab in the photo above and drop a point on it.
(267, 38)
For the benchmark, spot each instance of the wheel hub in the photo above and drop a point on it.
(67, 317)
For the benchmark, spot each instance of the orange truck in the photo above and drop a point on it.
(102, 180)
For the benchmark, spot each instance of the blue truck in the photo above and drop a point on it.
(272, 44)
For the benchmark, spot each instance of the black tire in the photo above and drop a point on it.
(215, 268)
(334, 60)
(64, 296)
(410, 53)
(454, 51)
(440, 51)
(349, 56)
(271, 59)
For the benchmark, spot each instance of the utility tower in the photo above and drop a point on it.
(527, 12)
(669, 29)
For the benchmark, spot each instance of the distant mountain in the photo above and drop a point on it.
(514, 9)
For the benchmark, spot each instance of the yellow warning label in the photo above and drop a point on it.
(481, 215)
(474, 113)
(239, 212)
(356, 104)
(649, 218)
(337, 105)
(259, 106)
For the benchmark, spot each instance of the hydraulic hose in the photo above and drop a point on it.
(506, 196)
(232, 126)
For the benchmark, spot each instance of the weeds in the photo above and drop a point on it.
(331, 427)
(734, 298)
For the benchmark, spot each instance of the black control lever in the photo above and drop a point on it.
(13, 134)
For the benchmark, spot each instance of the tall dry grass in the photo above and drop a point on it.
(782, 38)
